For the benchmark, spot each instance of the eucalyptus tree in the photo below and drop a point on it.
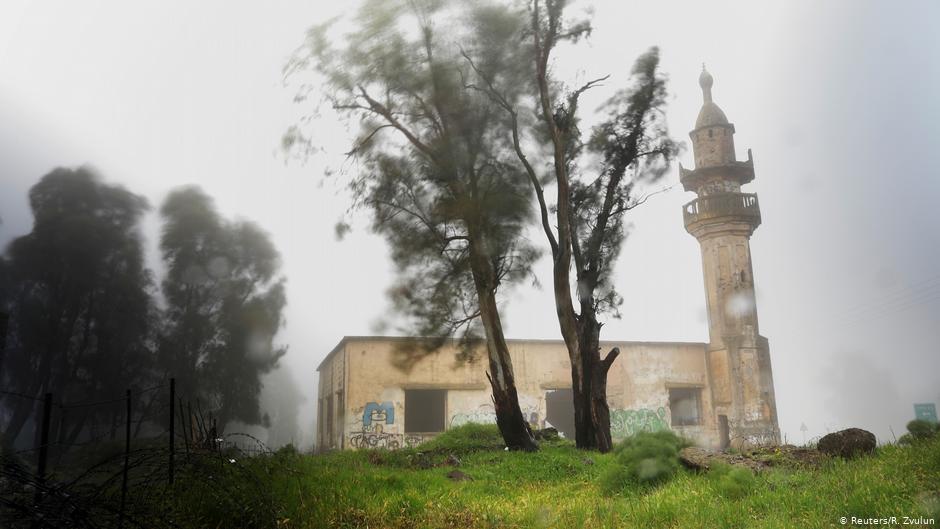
(78, 293)
(596, 180)
(632, 146)
(224, 306)
(436, 169)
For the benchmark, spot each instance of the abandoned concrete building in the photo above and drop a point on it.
(718, 393)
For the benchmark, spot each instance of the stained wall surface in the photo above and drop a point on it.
(361, 375)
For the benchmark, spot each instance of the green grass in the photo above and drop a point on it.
(559, 486)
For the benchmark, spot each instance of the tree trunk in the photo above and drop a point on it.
(509, 418)
(4, 324)
(570, 325)
(146, 411)
(41, 382)
(77, 428)
(22, 411)
(591, 407)
(581, 352)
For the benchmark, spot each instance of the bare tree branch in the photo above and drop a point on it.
(362, 143)
(381, 110)
(646, 197)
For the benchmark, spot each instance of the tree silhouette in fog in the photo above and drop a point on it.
(79, 298)
(225, 298)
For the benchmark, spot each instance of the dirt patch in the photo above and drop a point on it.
(703, 459)
(754, 460)
(791, 456)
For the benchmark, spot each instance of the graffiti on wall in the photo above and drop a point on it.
(379, 430)
(482, 416)
(624, 423)
(389, 441)
(486, 415)
(376, 413)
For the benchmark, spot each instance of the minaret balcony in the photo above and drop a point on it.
(741, 172)
(723, 207)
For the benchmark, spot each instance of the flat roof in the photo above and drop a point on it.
(347, 339)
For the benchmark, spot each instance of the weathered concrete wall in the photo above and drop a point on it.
(644, 373)
(713, 145)
(331, 406)
(729, 286)
(638, 387)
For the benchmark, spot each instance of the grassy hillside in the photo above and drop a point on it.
(560, 486)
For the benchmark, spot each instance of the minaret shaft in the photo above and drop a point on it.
(723, 219)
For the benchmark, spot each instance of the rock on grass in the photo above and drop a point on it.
(848, 443)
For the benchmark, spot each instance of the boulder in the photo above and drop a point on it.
(848, 443)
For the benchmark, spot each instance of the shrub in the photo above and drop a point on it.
(645, 459)
(920, 429)
(463, 439)
(288, 450)
(231, 492)
(731, 482)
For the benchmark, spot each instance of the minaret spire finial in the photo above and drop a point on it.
(705, 81)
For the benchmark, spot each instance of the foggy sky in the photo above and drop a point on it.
(837, 100)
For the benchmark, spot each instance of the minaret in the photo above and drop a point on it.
(723, 218)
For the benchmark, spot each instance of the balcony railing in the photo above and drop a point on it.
(722, 205)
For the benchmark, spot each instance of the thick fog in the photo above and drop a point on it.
(837, 100)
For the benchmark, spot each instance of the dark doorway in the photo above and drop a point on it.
(424, 410)
(723, 432)
(559, 411)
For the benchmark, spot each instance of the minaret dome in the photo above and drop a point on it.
(711, 114)
(705, 80)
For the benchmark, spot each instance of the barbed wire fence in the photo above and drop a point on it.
(127, 472)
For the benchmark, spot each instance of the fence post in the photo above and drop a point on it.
(190, 418)
(183, 426)
(43, 445)
(127, 451)
(4, 324)
(172, 425)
